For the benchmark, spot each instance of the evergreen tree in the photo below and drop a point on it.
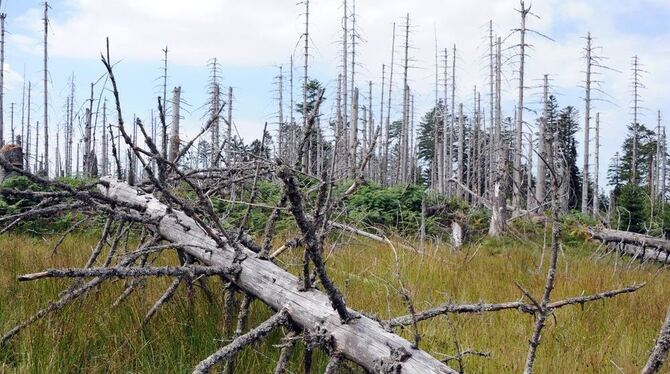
(646, 152)
(567, 152)
(630, 213)
(313, 88)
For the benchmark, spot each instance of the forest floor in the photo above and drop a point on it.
(608, 336)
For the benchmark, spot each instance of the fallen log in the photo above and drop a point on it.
(641, 240)
(361, 340)
(643, 247)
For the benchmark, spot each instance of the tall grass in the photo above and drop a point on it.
(89, 336)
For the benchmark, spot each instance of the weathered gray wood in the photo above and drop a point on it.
(660, 352)
(610, 235)
(361, 340)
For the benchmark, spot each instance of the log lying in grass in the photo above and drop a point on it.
(643, 247)
(641, 240)
(361, 340)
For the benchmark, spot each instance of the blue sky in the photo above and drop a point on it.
(251, 38)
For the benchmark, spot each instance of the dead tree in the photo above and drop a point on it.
(461, 144)
(306, 161)
(491, 104)
(498, 222)
(381, 168)
(28, 134)
(637, 85)
(452, 130)
(280, 114)
(87, 143)
(516, 167)
(587, 126)
(540, 184)
(105, 146)
(387, 125)
(229, 126)
(596, 166)
(215, 109)
(23, 114)
(46, 99)
(403, 163)
(3, 16)
(446, 128)
(343, 150)
(174, 138)
(164, 129)
(353, 140)
(660, 351)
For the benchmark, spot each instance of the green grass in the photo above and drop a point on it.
(92, 337)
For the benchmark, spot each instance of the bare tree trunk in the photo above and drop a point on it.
(498, 222)
(174, 139)
(105, 148)
(404, 152)
(280, 114)
(215, 106)
(46, 100)
(587, 125)
(388, 112)
(87, 143)
(663, 165)
(540, 184)
(516, 172)
(596, 170)
(36, 167)
(636, 107)
(77, 161)
(452, 131)
(353, 142)
(370, 131)
(3, 16)
(28, 134)
(446, 135)
(381, 169)
(529, 173)
(229, 128)
(305, 162)
(23, 117)
(461, 144)
(164, 130)
(437, 166)
(70, 130)
(491, 164)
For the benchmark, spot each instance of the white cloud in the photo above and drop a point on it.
(12, 79)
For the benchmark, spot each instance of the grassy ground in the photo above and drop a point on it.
(602, 337)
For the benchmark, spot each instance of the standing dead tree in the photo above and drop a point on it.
(587, 124)
(46, 95)
(3, 17)
(636, 86)
(520, 108)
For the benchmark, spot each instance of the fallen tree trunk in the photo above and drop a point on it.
(361, 340)
(641, 240)
(643, 247)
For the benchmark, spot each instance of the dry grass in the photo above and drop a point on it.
(598, 338)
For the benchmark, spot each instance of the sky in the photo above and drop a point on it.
(251, 39)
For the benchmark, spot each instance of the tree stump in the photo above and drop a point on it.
(14, 154)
